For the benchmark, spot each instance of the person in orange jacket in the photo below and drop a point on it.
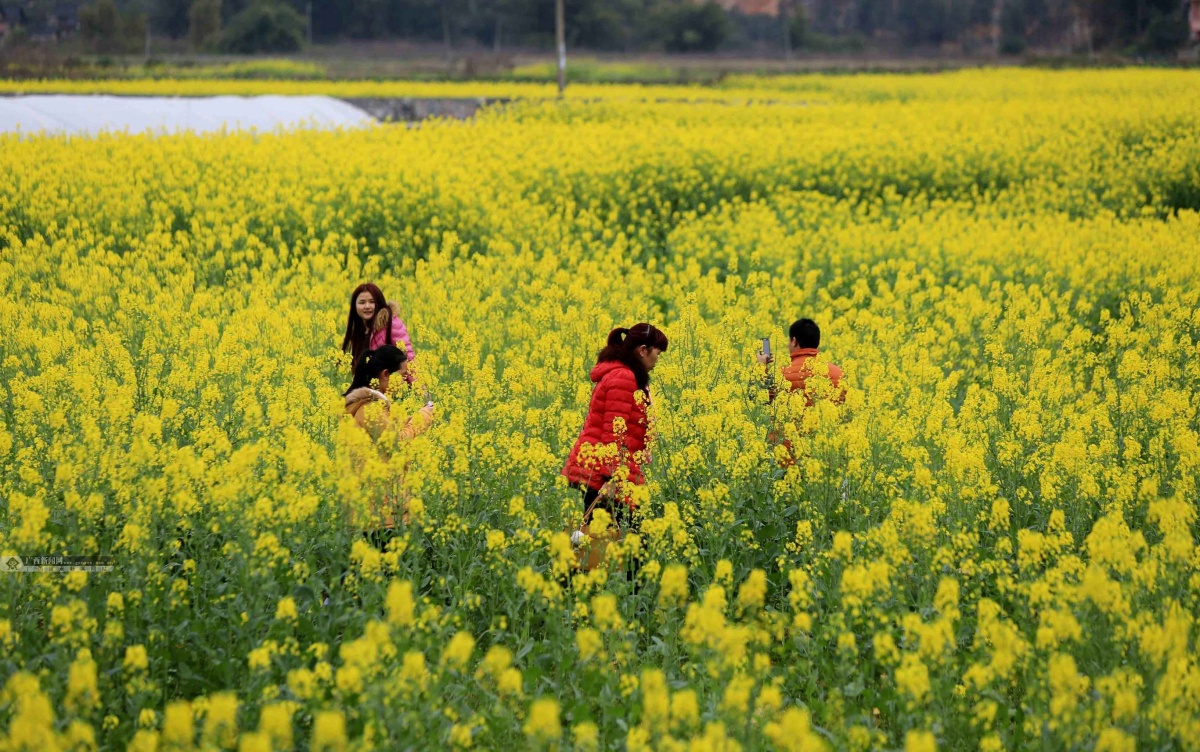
(370, 410)
(378, 366)
(804, 341)
(803, 346)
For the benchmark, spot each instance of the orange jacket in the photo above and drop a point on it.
(363, 396)
(798, 373)
(382, 512)
(800, 370)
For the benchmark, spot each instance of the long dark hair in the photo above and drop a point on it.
(374, 362)
(623, 344)
(358, 332)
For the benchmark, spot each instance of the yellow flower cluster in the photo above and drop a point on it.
(983, 537)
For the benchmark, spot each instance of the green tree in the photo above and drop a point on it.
(133, 31)
(695, 28)
(108, 30)
(366, 19)
(204, 23)
(170, 17)
(607, 25)
(264, 26)
(100, 26)
(797, 23)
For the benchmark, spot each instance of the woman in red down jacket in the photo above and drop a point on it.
(606, 455)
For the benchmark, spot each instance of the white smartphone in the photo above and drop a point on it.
(766, 346)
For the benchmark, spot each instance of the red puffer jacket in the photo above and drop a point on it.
(616, 395)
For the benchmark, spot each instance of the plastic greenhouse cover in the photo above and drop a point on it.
(91, 115)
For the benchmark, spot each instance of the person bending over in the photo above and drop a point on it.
(367, 403)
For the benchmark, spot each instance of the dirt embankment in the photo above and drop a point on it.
(415, 109)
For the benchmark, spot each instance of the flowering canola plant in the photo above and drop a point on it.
(989, 543)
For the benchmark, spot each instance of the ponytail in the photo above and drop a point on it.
(622, 346)
(617, 336)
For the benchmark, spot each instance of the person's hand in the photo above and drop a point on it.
(765, 359)
(608, 490)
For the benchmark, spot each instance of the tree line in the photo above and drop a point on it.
(967, 26)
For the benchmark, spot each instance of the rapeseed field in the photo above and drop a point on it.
(989, 543)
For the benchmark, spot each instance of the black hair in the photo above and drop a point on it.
(623, 344)
(806, 333)
(358, 332)
(374, 362)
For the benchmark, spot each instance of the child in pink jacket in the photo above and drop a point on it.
(390, 330)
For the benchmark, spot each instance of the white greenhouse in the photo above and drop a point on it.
(91, 115)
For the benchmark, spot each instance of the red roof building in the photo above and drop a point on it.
(752, 7)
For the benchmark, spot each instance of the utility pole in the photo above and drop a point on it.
(149, 10)
(560, 39)
(997, 26)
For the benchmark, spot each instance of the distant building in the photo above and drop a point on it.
(1194, 19)
(752, 7)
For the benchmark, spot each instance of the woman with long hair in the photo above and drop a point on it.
(611, 449)
(372, 323)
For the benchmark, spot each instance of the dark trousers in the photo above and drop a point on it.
(380, 537)
(617, 510)
(620, 513)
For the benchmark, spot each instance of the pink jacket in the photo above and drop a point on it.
(389, 319)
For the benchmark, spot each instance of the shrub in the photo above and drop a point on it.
(204, 23)
(695, 28)
(265, 26)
